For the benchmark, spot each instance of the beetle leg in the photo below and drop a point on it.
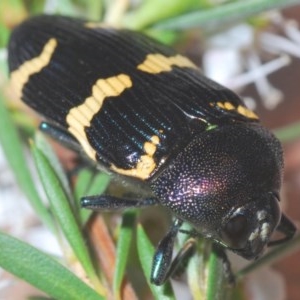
(60, 135)
(286, 227)
(163, 255)
(106, 202)
(190, 232)
(179, 263)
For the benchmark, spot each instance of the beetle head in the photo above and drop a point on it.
(246, 230)
(225, 183)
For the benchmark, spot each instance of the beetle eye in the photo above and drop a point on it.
(235, 232)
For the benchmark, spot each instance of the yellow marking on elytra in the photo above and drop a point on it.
(228, 106)
(246, 112)
(146, 163)
(221, 105)
(20, 76)
(80, 117)
(242, 110)
(157, 63)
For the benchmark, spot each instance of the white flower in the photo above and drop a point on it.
(234, 58)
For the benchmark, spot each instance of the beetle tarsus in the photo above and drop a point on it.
(163, 255)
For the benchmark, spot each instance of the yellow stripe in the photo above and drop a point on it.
(21, 76)
(242, 110)
(246, 112)
(146, 163)
(228, 106)
(80, 117)
(221, 105)
(157, 63)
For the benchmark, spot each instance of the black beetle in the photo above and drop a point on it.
(142, 111)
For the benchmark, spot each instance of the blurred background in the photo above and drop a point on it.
(252, 47)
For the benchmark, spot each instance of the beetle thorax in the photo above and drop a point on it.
(220, 170)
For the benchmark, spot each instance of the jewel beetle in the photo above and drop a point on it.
(147, 114)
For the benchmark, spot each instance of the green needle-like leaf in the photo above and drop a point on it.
(42, 144)
(123, 247)
(234, 11)
(42, 271)
(63, 212)
(195, 275)
(83, 182)
(216, 289)
(146, 252)
(99, 184)
(13, 149)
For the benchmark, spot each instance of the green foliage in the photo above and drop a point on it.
(42, 271)
(125, 237)
(146, 251)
